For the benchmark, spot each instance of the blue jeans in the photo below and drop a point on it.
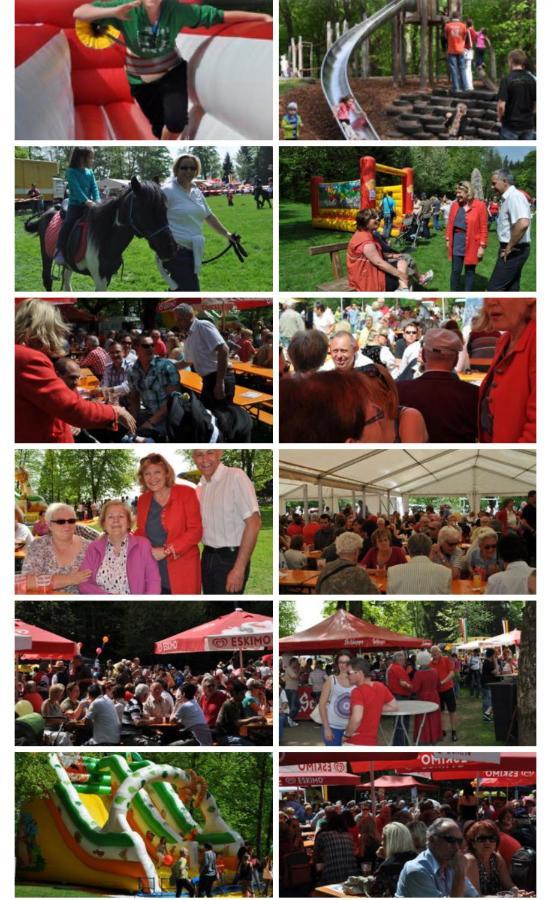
(486, 695)
(400, 738)
(436, 221)
(456, 64)
(337, 736)
(387, 227)
(510, 135)
(294, 705)
(282, 724)
(455, 278)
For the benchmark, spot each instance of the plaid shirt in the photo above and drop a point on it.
(113, 377)
(152, 385)
(96, 360)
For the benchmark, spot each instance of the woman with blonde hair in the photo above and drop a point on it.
(45, 407)
(169, 515)
(466, 235)
(187, 210)
(120, 562)
(396, 850)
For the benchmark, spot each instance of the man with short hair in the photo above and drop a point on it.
(103, 716)
(346, 355)
(399, 685)
(150, 380)
(440, 870)
(344, 575)
(516, 105)
(323, 319)
(69, 371)
(448, 405)
(456, 34)
(445, 669)
(156, 706)
(232, 717)
(513, 233)
(420, 575)
(408, 363)
(325, 534)
(159, 346)
(231, 523)
(388, 209)
(207, 351)
(190, 715)
(290, 323)
(116, 372)
(514, 580)
(368, 701)
(95, 358)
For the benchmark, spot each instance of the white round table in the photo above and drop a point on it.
(410, 708)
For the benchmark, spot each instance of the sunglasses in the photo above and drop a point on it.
(490, 546)
(62, 521)
(187, 168)
(146, 346)
(449, 839)
(410, 332)
(485, 838)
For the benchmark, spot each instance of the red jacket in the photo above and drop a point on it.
(512, 398)
(477, 230)
(45, 407)
(181, 518)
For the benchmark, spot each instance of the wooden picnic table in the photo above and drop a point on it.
(307, 580)
(268, 724)
(20, 553)
(331, 890)
(245, 397)
(247, 368)
(472, 377)
(303, 578)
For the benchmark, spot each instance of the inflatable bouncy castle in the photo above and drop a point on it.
(65, 90)
(336, 204)
(117, 822)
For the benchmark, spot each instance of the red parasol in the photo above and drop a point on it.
(45, 644)
(238, 630)
(343, 630)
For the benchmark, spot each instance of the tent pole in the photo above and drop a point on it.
(320, 498)
(305, 499)
(373, 797)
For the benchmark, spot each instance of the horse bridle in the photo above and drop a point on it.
(134, 227)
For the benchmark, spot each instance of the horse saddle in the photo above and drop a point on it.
(75, 247)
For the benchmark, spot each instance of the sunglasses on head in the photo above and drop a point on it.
(63, 521)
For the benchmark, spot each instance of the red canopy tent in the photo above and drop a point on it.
(394, 781)
(213, 303)
(45, 644)
(70, 311)
(238, 630)
(343, 630)
(508, 779)
(442, 767)
(310, 775)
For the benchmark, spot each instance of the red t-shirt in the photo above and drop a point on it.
(309, 531)
(159, 348)
(395, 674)
(443, 667)
(372, 696)
(293, 530)
(211, 706)
(35, 700)
(455, 34)
(507, 846)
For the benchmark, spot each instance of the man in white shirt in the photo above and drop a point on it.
(290, 323)
(513, 234)
(324, 319)
(231, 522)
(514, 580)
(412, 337)
(345, 355)
(207, 351)
(420, 575)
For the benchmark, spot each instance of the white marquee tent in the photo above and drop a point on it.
(385, 479)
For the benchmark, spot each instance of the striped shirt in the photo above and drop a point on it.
(226, 501)
(419, 576)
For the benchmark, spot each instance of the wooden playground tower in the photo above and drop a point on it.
(429, 17)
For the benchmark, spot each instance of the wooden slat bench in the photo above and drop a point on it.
(340, 282)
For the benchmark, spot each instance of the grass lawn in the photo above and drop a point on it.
(260, 580)
(50, 890)
(140, 271)
(472, 731)
(300, 272)
(286, 85)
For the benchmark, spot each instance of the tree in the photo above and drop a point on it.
(257, 464)
(263, 162)
(210, 160)
(34, 777)
(245, 162)
(288, 618)
(527, 694)
(228, 169)
(86, 474)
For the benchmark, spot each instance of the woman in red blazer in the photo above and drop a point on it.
(466, 235)
(507, 396)
(170, 516)
(45, 407)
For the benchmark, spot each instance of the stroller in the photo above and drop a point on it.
(410, 232)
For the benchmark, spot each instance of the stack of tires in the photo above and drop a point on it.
(421, 116)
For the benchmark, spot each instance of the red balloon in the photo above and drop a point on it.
(168, 859)
(98, 651)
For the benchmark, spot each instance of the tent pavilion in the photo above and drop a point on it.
(37, 643)
(235, 632)
(343, 630)
(384, 480)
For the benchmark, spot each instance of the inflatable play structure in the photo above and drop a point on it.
(65, 90)
(116, 823)
(336, 204)
(30, 503)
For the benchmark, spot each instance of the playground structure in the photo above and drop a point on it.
(102, 823)
(425, 14)
(336, 204)
(84, 94)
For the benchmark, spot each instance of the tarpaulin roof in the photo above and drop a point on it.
(503, 640)
(305, 774)
(394, 781)
(342, 630)
(238, 630)
(440, 765)
(427, 472)
(509, 779)
(45, 644)
(214, 302)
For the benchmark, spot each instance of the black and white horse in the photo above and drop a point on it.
(262, 196)
(140, 211)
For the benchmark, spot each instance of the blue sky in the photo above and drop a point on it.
(515, 153)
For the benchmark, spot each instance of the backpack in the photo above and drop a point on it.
(523, 868)
(188, 420)
(234, 423)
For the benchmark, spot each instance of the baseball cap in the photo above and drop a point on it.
(440, 340)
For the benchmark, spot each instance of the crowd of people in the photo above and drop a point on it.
(468, 844)
(351, 716)
(388, 376)
(137, 392)
(155, 551)
(88, 702)
(419, 553)
(374, 265)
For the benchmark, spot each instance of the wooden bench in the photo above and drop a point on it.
(340, 282)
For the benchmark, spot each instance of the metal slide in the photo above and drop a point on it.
(334, 69)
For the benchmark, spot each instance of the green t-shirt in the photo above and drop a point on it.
(149, 41)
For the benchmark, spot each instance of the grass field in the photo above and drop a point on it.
(261, 580)
(50, 890)
(300, 272)
(472, 731)
(140, 271)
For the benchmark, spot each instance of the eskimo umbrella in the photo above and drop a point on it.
(343, 630)
(238, 630)
(45, 644)
(394, 781)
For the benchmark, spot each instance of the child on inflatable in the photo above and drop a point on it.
(291, 123)
(83, 192)
(156, 72)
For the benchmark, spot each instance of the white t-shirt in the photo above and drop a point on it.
(317, 679)
(324, 322)
(187, 210)
(106, 724)
(200, 346)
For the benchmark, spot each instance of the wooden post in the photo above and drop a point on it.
(293, 58)
(403, 51)
(431, 59)
(365, 56)
(311, 58)
(300, 58)
(423, 45)
(330, 41)
(395, 53)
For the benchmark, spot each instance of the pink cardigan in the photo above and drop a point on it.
(142, 570)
